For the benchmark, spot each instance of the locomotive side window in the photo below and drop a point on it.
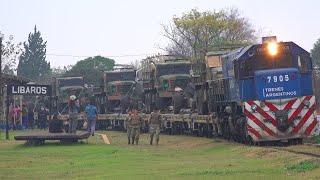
(245, 69)
(303, 62)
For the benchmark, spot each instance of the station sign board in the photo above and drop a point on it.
(37, 90)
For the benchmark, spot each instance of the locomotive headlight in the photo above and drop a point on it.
(254, 107)
(273, 48)
(306, 102)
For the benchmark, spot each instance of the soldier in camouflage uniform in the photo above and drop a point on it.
(129, 128)
(155, 122)
(135, 122)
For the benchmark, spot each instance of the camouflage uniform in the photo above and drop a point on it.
(129, 128)
(73, 119)
(155, 121)
(135, 122)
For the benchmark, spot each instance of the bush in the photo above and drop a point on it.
(304, 166)
(315, 139)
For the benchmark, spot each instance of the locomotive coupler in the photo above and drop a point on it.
(282, 120)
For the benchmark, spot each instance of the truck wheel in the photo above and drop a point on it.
(178, 102)
(160, 103)
(148, 103)
(125, 104)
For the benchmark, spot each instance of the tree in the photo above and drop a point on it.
(59, 72)
(8, 70)
(91, 69)
(32, 62)
(10, 53)
(136, 64)
(195, 31)
(315, 53)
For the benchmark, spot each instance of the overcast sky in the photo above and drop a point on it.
(130, 30)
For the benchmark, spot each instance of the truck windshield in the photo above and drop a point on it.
(70, 82)
(120, 76)
(177, 68)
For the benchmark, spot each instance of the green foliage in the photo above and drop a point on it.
(315, 52)
(10, 53)
(32, 62)
(91, 69)
(304, 166)
(59, 72)
(195, 31)
(8, 70)
(315, 139)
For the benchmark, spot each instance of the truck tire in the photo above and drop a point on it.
(148, 103)
(178, 103)
(124, 104)
(160, 102)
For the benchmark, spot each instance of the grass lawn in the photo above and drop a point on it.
(177, 157)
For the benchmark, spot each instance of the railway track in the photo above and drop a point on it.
(307, 153)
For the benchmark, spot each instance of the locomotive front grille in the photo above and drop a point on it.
(182, 83)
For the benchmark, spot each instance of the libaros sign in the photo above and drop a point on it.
(38, 90)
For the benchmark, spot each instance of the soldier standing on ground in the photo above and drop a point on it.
(129, 129)
(135, 122)
(155, 122)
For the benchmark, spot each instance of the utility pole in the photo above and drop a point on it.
(1, 80)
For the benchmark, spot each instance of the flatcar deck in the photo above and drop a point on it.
(40, 137)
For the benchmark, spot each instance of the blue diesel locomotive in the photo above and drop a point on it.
(265, 94)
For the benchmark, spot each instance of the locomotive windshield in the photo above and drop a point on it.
(262, 61)
(174, 68)
(120, 76)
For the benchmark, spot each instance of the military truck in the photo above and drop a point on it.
(205, 69)
(64, 87)
(118, 88)
(164, 83)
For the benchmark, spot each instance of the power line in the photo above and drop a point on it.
(126, 55)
